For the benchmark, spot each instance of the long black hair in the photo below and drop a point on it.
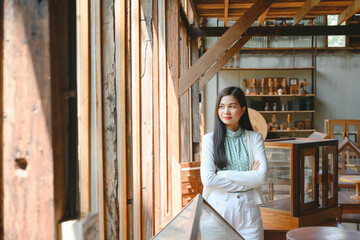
(220, 128)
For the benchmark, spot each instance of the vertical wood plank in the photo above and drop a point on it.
(185, 134)
(28, 167)
(120, 40)
(156, 119)
(195, 95)
(111, 198)
(146, 61)
(136, 115)
(163, 116)
(83, 77)
(129, 125)
(96, 75)
(173, 121)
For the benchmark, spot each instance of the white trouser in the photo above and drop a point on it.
(239, 210)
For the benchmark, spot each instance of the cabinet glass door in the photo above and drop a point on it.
(309, 169)
(331, 176)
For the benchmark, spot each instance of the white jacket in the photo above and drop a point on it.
(231, 180)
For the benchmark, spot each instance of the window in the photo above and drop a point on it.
(335, 40)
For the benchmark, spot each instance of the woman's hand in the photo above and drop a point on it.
(256, 165)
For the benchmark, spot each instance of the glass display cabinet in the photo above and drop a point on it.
(301, 189)
(198, 220)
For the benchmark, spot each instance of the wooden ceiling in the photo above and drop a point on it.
(280, 9)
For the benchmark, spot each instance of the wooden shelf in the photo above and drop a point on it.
(284, 95)
(269, 112)
(267, 69)
(287, 131)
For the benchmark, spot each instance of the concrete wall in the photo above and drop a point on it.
(337, 82)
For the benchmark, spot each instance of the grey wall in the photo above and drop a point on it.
(337, 82)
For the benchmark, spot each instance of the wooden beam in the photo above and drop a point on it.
(156, 120)
(353, 29)
(308, 5)
(136, 117)
(111, 178)
(349, 11)
(173, 120)
(263, 17)
(83, 65)
(226, 11)
(222, 45)
(221, 62)
(121, 152)
(95, 13)
(146, 109)
(196, 16)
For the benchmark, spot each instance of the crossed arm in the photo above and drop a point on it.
(232, 180)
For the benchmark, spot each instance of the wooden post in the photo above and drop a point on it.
(146, 109)
(96, 72)
(111, 181)
(136, 117)
(156, 121)
(173, 121)
(27, 152)
(121, 46)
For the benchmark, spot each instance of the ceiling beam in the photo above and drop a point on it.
(349, 11)
(309, 4)
(352, 29)
(222, 45)
(226, 11)
(224, 59)
(263, 17)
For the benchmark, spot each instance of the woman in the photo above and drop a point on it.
(234, 166)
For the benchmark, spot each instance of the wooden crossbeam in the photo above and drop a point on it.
(263, 17)
(309, 4)
(226, 11)
(221, 62)
(353, 29)
(222, 45)
(349, 11)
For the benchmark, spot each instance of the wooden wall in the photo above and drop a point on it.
(133, 127)
(27, 137)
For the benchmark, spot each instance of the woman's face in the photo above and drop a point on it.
(230, 112)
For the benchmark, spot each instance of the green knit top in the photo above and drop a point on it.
(235, 150)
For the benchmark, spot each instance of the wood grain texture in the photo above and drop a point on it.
(120, 85)
(173, 112)
(83, 64)
(146, 106)
(156, 120)
(110, 136)
(96, 70)
(308, 5)
(28, 198)
(348, 12)
(136, 118)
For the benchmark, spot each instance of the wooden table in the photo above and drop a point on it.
(349, 205)
(352, 179)
(322, 233)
